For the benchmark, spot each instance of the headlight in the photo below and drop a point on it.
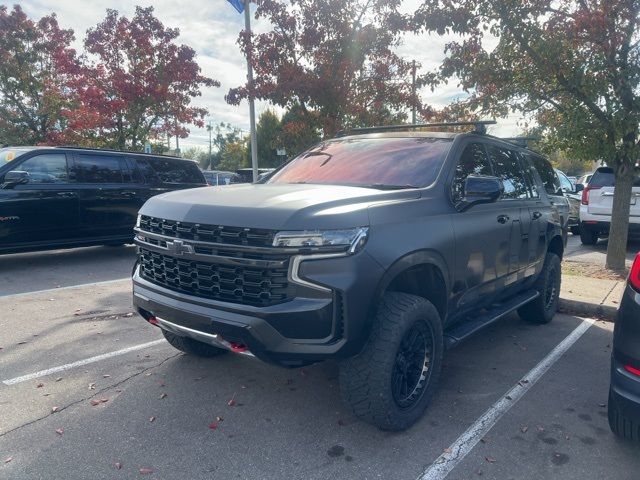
(138, 221)
(354, 238)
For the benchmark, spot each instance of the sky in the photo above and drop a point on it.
(211, 28)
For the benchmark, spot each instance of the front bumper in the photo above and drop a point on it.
(325, 324)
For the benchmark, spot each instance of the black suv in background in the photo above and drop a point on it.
(378, 249)
(58, 197)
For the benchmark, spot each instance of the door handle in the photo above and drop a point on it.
(536, 215)
(129, 193)
(503, 218)
(66, 194)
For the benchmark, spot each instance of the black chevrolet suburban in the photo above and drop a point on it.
(60, 197)
(381, 249)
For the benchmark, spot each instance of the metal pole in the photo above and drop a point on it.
(252, 107)
(413, 93)
(210, 128)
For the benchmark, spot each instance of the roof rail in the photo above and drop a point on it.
(521, 141)
(480, 127)
(113, 150)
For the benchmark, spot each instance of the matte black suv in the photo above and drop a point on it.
(66, 197)
(380, 250)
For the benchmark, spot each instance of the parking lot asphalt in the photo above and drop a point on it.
(595, 254)
(89, 390)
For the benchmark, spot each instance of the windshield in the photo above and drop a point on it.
(368, 162)
(8, 154)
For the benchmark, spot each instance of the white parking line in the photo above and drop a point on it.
(470, 438)
(70, 287)
(97, 358)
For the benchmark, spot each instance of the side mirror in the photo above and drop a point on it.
(480, 189)
(15, 177)
(579, 187)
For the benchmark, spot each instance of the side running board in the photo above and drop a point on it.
(465, 329)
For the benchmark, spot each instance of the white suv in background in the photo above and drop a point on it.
(597, 203)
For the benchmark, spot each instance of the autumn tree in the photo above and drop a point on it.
(138, 83)
(300, 130)
(36, 62)
(334, 58)
(268, 133)
(574, 64)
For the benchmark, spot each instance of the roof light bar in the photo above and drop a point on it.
(480, 127)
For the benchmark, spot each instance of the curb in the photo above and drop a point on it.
(602, 312)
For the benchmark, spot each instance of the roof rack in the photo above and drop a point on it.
(480, 127)
(521, 141)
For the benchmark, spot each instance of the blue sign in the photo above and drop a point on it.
(237, 4)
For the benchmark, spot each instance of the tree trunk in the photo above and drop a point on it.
(619, 231)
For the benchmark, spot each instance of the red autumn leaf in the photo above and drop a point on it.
(146, 471)
(118, 465)
(95, 402)
(213, 425)
(232, 403)
(60, 431)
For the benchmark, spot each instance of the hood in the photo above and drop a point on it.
(273, 206)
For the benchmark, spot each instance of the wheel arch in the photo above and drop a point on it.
(423, 273)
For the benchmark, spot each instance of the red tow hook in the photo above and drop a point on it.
(237, 347)
(153, 321)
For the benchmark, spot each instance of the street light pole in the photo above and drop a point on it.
(413, 93)
(252, 108)
(209, 129)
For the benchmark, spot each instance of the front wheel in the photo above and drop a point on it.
(391, 382)
(588, 236)
(545, 306)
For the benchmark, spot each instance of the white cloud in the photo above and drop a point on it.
(211, 28)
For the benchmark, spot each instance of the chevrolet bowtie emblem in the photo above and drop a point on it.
(178, 247)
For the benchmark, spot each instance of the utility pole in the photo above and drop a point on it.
(177, 140)
(413, 92)
(252, 108)
(209, 129)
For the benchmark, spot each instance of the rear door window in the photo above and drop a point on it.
(175, 171)
(506, 166)
(548, 176)
(90, 168)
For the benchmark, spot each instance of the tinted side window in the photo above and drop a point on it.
(547, 174)
(473, 161)
(530, 176)
(565, 183)
(507, 167)
(176, 171)
(604, 177)
(97, 169)
(46, 168)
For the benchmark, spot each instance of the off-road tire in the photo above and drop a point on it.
(620, 425)
(588, 236)
(366, 379)
(544, 307)
(191, 346)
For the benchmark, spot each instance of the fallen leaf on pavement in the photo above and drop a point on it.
(524, 429)
(447, 451)
(8, 459)
(58, 379)
(95, 402)
(54, 409)
(490, 459)
(59, 431)
(151, 419)
(40, 385)
(232, 402)
(128, 314)
(146, 471)
(213, 425)
(163, 395)
(92, 386)
(118, 465)
(21, 343)
(106, 376)
(219, 419)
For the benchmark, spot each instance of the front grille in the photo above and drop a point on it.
(218, 281)
(208, 233)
